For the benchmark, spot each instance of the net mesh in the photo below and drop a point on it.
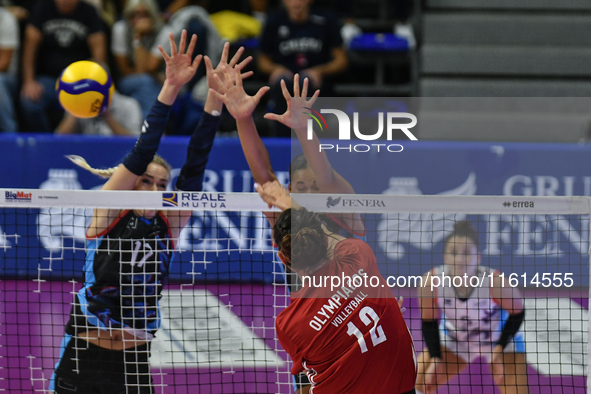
(204, 320)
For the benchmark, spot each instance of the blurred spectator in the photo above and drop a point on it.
(296, 40)
(59, 33)
(21, 9)
(343, 11)
(259, 9)
(133, 40)
(9, 45)
(195, 19)
(169, 7)
(402, 12)
(106, 9)
(123, 118)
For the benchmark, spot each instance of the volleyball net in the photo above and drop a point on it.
(213, 329)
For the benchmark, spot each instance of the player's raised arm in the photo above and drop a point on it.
(135, 172)
(201, 142)
(241, 106)
(295, 117)
(179, 70)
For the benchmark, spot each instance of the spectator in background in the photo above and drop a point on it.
(123, 118)
(107, 10)
(9, 44)
(169, 7)
(59, 33)
(196, 20)
(259, 9)
(20, 9)
(296, 40)
(133, 40)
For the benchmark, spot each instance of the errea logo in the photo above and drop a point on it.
(390, 119)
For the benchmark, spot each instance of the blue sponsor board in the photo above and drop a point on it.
(236, 246)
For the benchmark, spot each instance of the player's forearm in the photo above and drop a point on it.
(168, 93)
(67, 125)
(255, 152)
(336, 65)
(266, 65)
(98, 47)
(141, 57)
(32, 40)
(327, 179)
(213, 105)
(5, 59)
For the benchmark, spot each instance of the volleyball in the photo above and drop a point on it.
(85, 89)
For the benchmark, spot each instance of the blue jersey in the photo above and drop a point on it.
(126, 267)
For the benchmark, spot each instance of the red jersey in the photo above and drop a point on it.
(354, 340)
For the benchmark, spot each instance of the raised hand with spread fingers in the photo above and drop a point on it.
(294, 117)
(210, 71)
(179, 67)
(231, 92)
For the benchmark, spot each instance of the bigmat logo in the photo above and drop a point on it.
(18, 196)
(194, 200)
(345, 130)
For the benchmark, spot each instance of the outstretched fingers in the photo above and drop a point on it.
(296, 85)
(244, 62)
(192, 45)
(261, 93)
(313, 98)
(238, 72)
(222, 86)
(236, 56)
(272, 116)
(246, 74)
(305, 88)
(221, 97)
(285, 91)
(196, 62)
(225, 53)
(163, 53)
(173, 50)
(183, 42)
(208, 65)
(227, 76)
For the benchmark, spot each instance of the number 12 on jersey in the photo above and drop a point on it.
(376, 332)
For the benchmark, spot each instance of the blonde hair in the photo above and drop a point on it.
(151, 6)
(107, 173)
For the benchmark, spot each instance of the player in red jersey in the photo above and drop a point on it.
(349, 339)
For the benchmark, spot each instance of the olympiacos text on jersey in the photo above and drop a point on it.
(354, 340)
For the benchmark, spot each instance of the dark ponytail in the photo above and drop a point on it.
(463, 228)
(299, 236)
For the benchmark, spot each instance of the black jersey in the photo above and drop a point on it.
(298, 46)
(126, 268)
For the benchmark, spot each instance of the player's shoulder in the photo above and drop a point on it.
(352, 247)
